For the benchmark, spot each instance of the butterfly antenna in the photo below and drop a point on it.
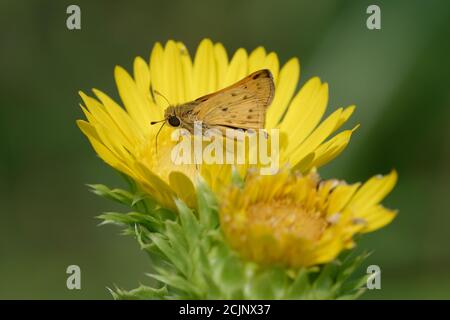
(161, 95)
(157, 134)
(155, 122)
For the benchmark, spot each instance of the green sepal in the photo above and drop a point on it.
(133, 200)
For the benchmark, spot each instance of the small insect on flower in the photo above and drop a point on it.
(242, 106)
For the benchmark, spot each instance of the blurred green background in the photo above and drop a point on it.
(398, 77)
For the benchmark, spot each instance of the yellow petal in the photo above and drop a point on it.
(376, 218)
(238, 67)
(111, 139)
(305, 111)
(94, 110)
(98, 116)
(173, 74)
(87, 129)
(222, 64)
(135, 102)
(204, 72)
(121, 118)
(183, 187)
(327, 251)
(186, 63)
(273, 65)
(340, 196)
(256, 59)
(332, 148)
(157, 77)
(142, 75)
(305, 163)
(156, 187)
(102, 151)
(316, 137)
(346, 114)
(284, 90)
(372, 192)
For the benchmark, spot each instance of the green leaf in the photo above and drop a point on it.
(189, 223)
(229, 275)
(118, 195)
(323, 285)
(163, 244)
(178, 282)
(344, 286)
(130, 219)
(174, 233)
(140, 293)
(266, 284)
(352, 289)
(349, 265)
(136, 199)
(164, 214)
(178, 242)
(301, 287)
(207, 206)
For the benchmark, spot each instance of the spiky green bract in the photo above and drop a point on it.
(191, 260)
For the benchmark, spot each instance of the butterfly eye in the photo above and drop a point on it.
(174, 121)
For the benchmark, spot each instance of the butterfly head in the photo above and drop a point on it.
(171, 117)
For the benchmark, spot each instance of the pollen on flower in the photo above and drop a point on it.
(334, 218)
(287, 218)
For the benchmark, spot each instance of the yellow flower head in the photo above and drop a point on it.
(124, 138)
(298, 220)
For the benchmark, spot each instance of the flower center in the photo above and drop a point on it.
(288, 219)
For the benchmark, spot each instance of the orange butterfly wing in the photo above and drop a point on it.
(242, 105)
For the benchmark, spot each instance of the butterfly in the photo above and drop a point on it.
(242, 106)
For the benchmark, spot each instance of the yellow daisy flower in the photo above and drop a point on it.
(124, 138)
(298, 220)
